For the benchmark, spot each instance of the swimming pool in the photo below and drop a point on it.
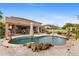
(52, 40)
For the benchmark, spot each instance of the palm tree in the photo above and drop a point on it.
(77, 16)
(1, 13)
(77, 30)
(2, 26)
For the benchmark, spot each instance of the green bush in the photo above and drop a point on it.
(77, 34)
(58, 31)
(2, 30)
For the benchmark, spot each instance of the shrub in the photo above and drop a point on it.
(2, 30)
(77, 34)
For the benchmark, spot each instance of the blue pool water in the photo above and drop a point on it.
(52, 40)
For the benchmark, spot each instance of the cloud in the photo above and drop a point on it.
(35, 4)
(58, 20)
(60, 17)
(61, 20)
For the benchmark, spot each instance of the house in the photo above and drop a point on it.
(21, 26)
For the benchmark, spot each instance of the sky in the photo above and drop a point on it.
(47, 13)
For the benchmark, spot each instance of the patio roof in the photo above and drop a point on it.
(21, 21)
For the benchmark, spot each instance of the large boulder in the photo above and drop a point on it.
(39, 46)
(28, 44)
(35, 47)
(45, 46)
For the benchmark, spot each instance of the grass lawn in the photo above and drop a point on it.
(57, 30)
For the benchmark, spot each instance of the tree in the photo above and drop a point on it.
(68, 25)
(2, 26)
(1, 13)
(77, 31)
(77, 16)
(2, 29)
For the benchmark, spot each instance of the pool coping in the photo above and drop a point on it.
(9, 44)
(41, 35)
(67, 45)
(35, 35)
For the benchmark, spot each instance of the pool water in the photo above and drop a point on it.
(52, 40)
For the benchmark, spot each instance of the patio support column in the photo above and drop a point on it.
(14, 30)
(31, 29)
(38, 29)
(6, 30)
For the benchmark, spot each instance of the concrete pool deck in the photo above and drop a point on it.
(5, 42)
(53, 51)
(20, 50)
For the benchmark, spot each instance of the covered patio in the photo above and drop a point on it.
(21, 26)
